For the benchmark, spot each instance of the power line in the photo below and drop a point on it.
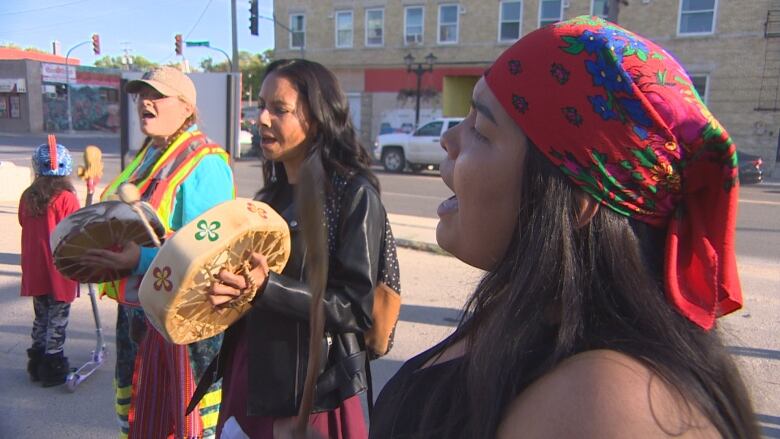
(191, 29)
(199, 18)
(15, 32)
(42, 9)
(127, 11)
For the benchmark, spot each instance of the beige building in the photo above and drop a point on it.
(731, 49)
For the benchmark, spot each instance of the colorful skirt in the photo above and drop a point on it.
(155, 380)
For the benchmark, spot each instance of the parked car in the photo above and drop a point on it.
(245, 142)
(417, 150)
(751, 168)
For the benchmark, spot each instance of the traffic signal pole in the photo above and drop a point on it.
(235, 101)
(96, 48)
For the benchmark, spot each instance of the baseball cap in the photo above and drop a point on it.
(169, 81)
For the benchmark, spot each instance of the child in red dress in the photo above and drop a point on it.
(49, 199)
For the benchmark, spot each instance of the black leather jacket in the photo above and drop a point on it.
(277, 325)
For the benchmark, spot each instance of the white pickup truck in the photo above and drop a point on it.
(419, 149)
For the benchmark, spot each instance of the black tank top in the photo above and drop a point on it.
(398, 411)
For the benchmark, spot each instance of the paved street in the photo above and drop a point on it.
(430, 310)
(407, 194)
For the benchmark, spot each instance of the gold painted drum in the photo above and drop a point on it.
(173, 291)
(107, 225)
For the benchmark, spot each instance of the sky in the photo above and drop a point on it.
(145, 27)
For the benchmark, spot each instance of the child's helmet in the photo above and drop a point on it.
(52, 159)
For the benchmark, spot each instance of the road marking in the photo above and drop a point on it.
(427, 197)
(768, 203)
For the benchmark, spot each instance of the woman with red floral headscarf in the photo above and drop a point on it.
(600, 195)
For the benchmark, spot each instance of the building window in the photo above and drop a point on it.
(550, 11)
(509, 17)
(298, 28)
(344, 29)
(599, 8)
(3, 107)
(375, 25)
(414, 17)
(448, 24)
(697, 17)
(701, 82)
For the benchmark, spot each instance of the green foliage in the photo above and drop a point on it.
(9, 45)
(138, 62)
(251, 65)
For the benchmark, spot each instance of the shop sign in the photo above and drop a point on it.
(56, 73)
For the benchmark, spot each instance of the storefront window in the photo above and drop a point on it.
(16, 107)
(3, 107)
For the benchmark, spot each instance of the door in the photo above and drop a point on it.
(354, 110)
(424, 142)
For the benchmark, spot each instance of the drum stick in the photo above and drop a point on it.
(129, 194)
(92, 171)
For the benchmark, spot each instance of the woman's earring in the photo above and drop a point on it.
(273, 172)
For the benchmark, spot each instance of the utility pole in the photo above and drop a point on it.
(234, 148)
(127, 59)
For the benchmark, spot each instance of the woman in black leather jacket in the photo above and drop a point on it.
(264, 356)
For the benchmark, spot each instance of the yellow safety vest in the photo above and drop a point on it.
(180, 159)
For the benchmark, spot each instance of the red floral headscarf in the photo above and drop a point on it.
(619, 116)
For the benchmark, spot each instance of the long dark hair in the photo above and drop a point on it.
(336, 139)
(38, 196)
(560, 291)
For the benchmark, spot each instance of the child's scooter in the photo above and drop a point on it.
(90, 173)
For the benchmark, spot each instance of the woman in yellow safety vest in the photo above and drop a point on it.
(181, 173)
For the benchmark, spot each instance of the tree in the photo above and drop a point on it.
(251, 65)
(208, 65)
(18, 47)
(137, 62)
(253, 69)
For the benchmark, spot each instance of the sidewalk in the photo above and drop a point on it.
(66, 135)
(430, 311)
(435, 288)
(415, 232)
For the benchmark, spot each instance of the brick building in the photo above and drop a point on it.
(731, 49)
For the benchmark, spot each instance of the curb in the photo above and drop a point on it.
(77, 134)
(421, 246)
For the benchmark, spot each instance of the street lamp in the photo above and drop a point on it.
(67, 75)
(419, 70)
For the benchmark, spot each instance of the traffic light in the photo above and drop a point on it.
(178, 44)
(253, 16)
(96, 44)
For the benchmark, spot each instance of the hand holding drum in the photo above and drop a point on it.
(239, 241)
(130, 195)
(100, 243)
